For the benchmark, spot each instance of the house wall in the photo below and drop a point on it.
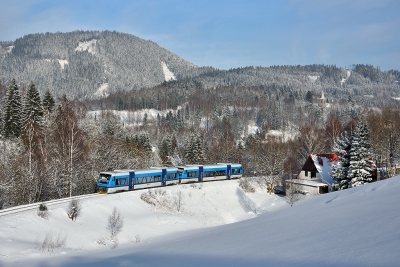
(311, 189)
(306, 175)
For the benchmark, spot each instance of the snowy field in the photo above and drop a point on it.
(218, 225)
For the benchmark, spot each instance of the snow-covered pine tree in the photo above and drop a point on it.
(32, 108)
(360, 162)
(190, 150)
(144, 142)
(340, 170)
(12, 111)
(163, 149)
(179, 120)
(174, 144)
(48, 103)
(201, 155)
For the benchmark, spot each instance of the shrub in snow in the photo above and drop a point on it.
(158, 199)
(42, 211)
(194, 186)
(74, 209)
(50, 244)
(247, 187)
(101, 241)
(178, 200)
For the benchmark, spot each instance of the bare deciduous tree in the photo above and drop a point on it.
(311, 140)
(74, 209)
(115, 224)
(293, 192)
(179, 200)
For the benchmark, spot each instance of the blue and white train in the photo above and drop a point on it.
(126, 180)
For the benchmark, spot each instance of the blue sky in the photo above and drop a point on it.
(230, 34)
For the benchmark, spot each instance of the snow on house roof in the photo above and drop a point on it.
(323, 163)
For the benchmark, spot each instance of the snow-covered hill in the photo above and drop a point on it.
(354, 227)
(81, 63)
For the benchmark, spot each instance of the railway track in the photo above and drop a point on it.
(48, 203)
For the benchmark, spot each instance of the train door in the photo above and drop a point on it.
(164, 177)
(201, 174)
(131, 180)
(228, 174)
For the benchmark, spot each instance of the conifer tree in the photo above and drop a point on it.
(164, 148)
(190, 150)
(201, 155)
(360, 162)
(340, 170)
(12, 111)
(48, 103)
(32, 109)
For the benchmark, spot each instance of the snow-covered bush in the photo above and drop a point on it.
(42, 211)
(162, 201)
(101, 241)
(50, 244)
(74, 209)
(246, 185)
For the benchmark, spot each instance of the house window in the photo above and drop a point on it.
(313, 174)
(306, 173)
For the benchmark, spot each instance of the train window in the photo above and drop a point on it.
(123, 181)
(235, 171)
(171, 176)
(192, 174)
(103, 178)
(148, 179)
(214, 173)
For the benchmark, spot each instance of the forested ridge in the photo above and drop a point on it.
(81, 64)
(58, 133)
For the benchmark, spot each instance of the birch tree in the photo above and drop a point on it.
(69, 144)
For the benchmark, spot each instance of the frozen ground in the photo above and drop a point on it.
(219, 225)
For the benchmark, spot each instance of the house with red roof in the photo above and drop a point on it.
(315, 175)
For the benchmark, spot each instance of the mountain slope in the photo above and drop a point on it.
(89, 64)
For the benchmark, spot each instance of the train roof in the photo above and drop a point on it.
(167, 168)
(232, 164)
(189, 167)
(214, 166)
(141, 171)
(218, 165)
(158, 169)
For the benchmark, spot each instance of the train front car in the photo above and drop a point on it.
(112, 182)
(103, 181)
